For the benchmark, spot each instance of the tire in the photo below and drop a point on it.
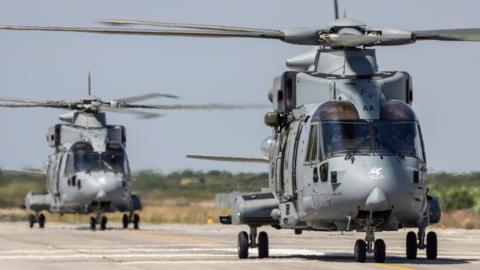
(242, 245)
(411, 246)
(136, 222)
(103, 223)
(41, 221)
(379, 251)
(263, 245)
(125, 221)
(431, 246)
(31, 220)
(360, 251)
(93, 224)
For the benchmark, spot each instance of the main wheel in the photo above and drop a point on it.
(360, 251)
(31, 220)
(262, 245)
(103, 223)
(411, 246)
(93, 223)
(379, 251)
(125, 221)
(242, 245)
(431, 246)
(41, 221)
(136, 221)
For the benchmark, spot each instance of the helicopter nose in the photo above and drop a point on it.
(377, 200)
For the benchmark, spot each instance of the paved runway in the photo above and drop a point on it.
(212, 247)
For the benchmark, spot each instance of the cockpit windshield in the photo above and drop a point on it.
(87, 160)
(402, 138)
(375, 137)
(344, 137)
(94, 161)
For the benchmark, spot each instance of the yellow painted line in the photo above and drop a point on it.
(172, 238)
(390, 266)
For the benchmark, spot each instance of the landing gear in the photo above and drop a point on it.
(263, 245)
(420, 241)
(411, 246)
(360, 251)
(136, 221)
(246, 241)
(242, 245)
(379, 251)
(370, 245)
(41, 221)
(94, 221)
(103, 223)
(125, 221)
(431, 246)
(40, 218)
(132, 218)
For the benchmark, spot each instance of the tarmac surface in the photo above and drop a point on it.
(74, 246)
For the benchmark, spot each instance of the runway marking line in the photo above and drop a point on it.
(173, 237)
(388, 266)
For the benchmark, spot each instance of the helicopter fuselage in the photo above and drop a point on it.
(89, 171)
(346, 153)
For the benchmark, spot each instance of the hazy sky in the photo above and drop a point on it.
(55, 66)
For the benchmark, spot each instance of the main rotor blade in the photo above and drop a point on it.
(138, 98)
(213, 106)
(21, 103)
(121, 22)
(139, 114)
(228, 159)
(465, 34)
(274, 34)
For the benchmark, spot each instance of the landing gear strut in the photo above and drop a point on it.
(131, 218)
(38, 217)
(370, 245)
(246, 241)
(421, 241)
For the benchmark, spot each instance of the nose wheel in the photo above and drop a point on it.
(103, 220)
(370, 246)
(37, 218)
(421, 241)
(132, 218)
(246, 241)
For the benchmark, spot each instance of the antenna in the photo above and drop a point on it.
(335, 6)
(89, 84)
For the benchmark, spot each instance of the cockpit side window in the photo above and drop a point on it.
(312, 149)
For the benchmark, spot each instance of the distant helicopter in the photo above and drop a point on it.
(89, 171)
(347, 151)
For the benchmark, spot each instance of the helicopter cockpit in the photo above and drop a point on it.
(83, 158)
(396, 132)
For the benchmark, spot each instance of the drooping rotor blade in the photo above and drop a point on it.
(139, 114)
(255, 33)
(115, 22)
(465, 34)
(197, 106)
(228, 158)
(134, 99)
(20, 103)
(26, 172)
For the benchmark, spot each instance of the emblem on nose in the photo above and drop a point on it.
(376, 173)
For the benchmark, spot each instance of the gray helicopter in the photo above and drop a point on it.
(347, 151)
(89, 171)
